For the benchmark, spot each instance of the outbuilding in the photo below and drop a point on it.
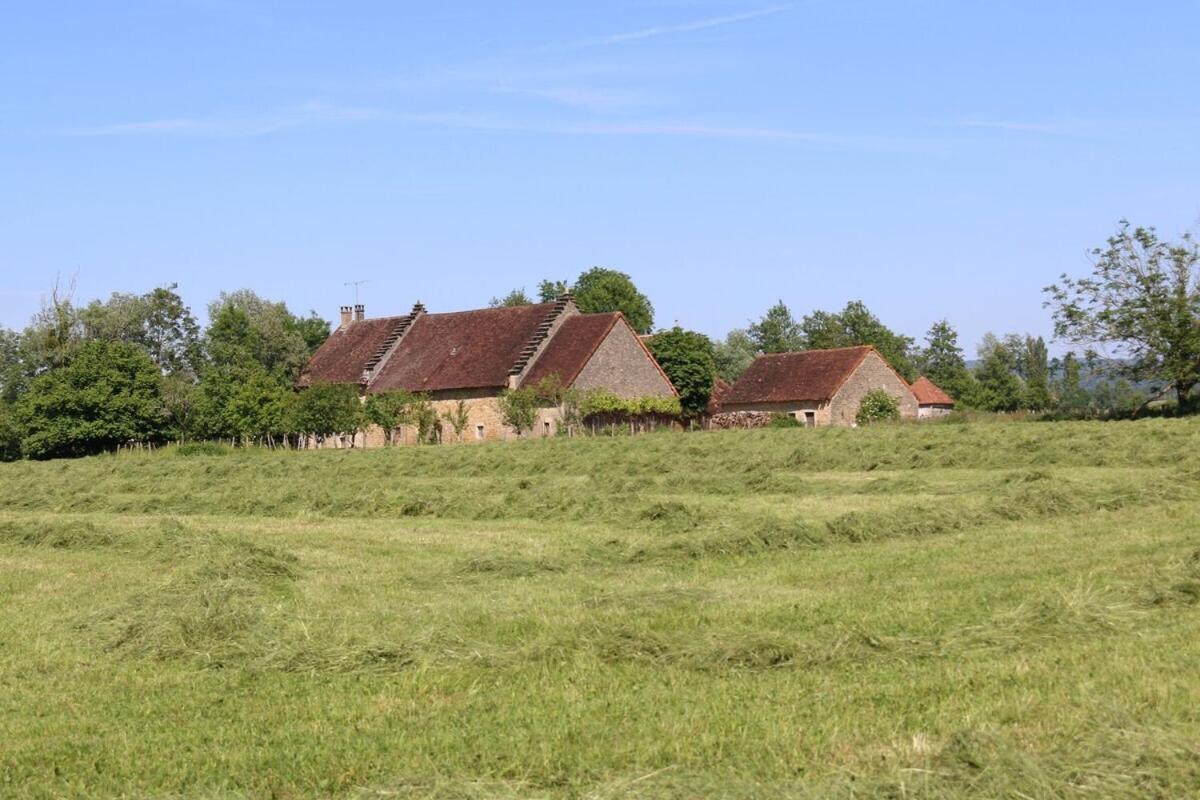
(931, 400)
(817, 387)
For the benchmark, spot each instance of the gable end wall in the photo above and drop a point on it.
(872, 373)
(621, 365)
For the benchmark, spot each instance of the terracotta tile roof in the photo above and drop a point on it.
(720, 389)
(572, 345)
(786, 377)
(345, 353)
(461, 350)
(928, 393)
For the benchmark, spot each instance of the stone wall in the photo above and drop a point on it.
(873, 373)
(820, 411)
(933, 411)
(622, 366)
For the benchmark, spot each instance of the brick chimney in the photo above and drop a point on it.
(360, 312)
(346, 316)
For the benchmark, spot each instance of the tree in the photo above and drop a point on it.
(568, 399)
(516, 297)
(313, 329)
(519, 408)
(458, 418)
(13, 378)
(10, 434)
(998, 387)
(855, 325)
(549, 291)
(243, 402)
(245, 327)
(328, 409)
(877, 405)
(1072, 396)
(941, 360)
(1143, 298)
(733, 355)
(777, 331)
(158, 321)
(1033, 365)
(601, 290)
(390, 410)
(108, 395)
(687, 358)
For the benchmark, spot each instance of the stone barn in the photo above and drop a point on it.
(817, 387)
(931, 400)
(475, 355)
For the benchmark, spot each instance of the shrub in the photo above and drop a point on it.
(781, 420)
(877, 405)
(519, 408)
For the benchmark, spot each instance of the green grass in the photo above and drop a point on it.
(985, 610)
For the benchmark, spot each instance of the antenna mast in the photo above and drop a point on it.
(355, 284)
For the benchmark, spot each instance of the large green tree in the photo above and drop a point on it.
(855, 325)
(687, 358)
(1143, 299)
(601, 290)
(107, 395)
(777, 331)
(244, 327)
(328, 409)
(997, 386)
(942, 361)
(159, 322)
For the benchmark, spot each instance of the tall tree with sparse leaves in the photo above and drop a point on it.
(1143, 299)
(777, 331)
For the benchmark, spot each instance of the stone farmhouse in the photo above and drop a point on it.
(817, 387)
(475, 355)
(931, 400)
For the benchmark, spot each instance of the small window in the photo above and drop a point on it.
(546, 428)
(479, 432)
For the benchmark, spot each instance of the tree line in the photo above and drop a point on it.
(138, 368)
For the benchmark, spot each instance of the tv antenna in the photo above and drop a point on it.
(355, 284)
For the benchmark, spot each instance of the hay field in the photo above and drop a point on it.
(982, 610)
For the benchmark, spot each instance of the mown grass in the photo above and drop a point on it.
(908, 611)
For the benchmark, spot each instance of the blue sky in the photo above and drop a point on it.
(933, 159)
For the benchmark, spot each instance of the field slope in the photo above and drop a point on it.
(990, 610)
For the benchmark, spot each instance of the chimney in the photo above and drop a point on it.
(418, 308)
(360, 312)
(345, 316)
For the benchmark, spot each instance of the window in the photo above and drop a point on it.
(479, 432)
(546, 428)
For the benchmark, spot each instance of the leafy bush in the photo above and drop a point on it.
(781, 420)
(519, 408)
(877, 405)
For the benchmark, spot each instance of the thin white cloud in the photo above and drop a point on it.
(694, 25)
(324, 114)
(235, 126)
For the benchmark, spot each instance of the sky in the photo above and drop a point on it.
(932, 158)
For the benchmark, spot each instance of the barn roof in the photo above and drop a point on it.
(720, 390)
(572, 346)
(461, 350)
(344, 355)
(928, 393)
(814, 375)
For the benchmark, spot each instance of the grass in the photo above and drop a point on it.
(942, 611)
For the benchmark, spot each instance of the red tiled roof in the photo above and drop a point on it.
(928, 393)
(461, 350)
(720, 389)
(345, 353)
(571, 347)
(786, 377)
